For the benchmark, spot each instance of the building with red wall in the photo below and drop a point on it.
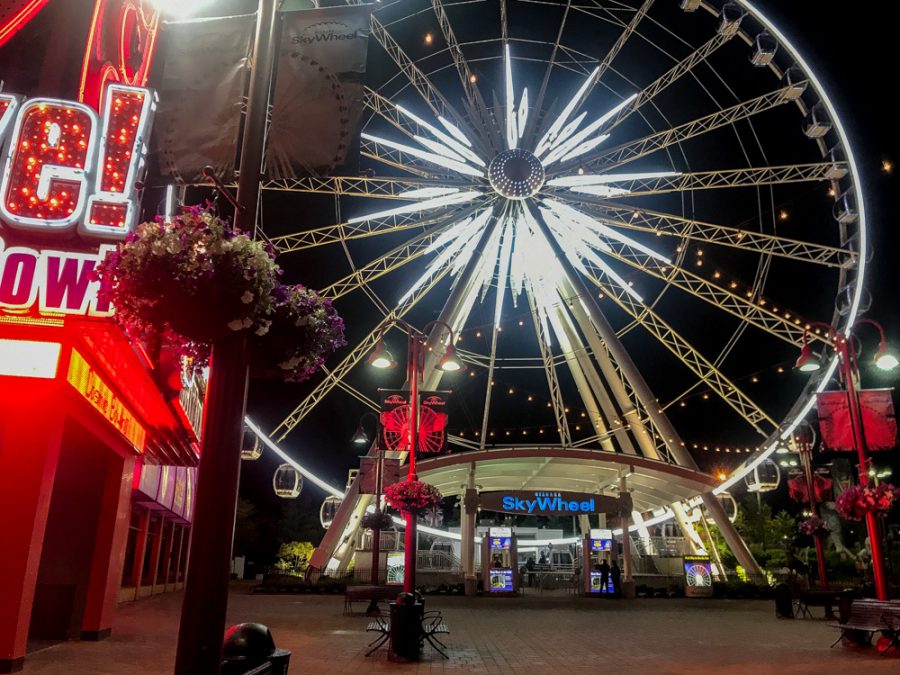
(98, 431)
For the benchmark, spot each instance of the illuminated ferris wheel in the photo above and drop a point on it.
(660, 194)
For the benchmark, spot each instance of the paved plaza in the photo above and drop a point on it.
(535, 634)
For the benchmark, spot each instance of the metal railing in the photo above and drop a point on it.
(191, 401)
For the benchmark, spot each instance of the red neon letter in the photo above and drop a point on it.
(50, 154)
(126, 119)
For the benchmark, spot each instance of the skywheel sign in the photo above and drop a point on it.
(547, 503)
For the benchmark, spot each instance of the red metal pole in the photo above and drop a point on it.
(410, 538)
(850, 374)
(376, 533)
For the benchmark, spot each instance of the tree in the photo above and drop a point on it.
(294, 555)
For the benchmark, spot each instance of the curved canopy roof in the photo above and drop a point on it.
(654, 484)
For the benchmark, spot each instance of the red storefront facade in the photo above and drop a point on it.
(98, 431)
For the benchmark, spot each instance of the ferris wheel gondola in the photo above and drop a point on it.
(765, 477)
(328, 510)
(251, 448)
(287, 482)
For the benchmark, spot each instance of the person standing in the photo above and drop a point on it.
(616, 577)
(604, 576)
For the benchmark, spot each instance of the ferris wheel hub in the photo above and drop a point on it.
(516, 174)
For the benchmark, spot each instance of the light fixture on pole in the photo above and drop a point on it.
(807, 362)
(380, 357)
(450, 362)
(884, 358)
(360, 437)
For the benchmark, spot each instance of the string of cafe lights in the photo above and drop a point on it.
(579, 419)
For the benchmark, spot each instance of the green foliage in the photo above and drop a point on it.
(294, 556)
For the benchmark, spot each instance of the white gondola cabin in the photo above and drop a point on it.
(765, 477)
(287, 482)
(250, 448)
(328, 510)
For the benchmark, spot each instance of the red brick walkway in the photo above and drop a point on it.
(545, 635)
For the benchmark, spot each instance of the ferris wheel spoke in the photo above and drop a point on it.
(416, 77)
(668, 78)
(478, 111)
(394, 187)
(617, 46)
(556, 398)
(785, 327)
(636, 185)
(628, 152)
(357, 354)
(704, 369)
(542, 92)
(398, 159)
(346, 231)
(667, 224)
(390, 261)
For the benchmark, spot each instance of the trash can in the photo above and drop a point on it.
(249, 648)
(845, 602)
(784, 608)
(406, 627)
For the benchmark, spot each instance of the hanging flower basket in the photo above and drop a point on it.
(412, 496)
(858, 500)
(376, 521)
(196, 276)
(814, 527)
(293, 340)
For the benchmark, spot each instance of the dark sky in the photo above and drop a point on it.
(853, 52)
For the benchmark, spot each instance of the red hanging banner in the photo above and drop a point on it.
(879, 423)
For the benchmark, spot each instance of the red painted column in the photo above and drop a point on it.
(30, 437)
(109, 549)
(140, 552)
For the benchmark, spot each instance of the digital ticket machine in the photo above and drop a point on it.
(597, 548)
(499, 566)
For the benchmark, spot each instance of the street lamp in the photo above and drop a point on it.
(415, 365)
(804, 439)
(848, 369)
(360, 438)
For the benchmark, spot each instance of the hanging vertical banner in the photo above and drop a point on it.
(390, 474)
(203, 66)
(395, 412)
(394, 420)
(878, 421)
(433, 421)
(318, 100)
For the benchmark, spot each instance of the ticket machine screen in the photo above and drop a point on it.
(501, 580)
(601, 544)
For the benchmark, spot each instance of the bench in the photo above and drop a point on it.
(383, 628)
(368, 594)
(432, 625)
(871, 616)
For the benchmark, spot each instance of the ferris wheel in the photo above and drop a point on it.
(631, 210)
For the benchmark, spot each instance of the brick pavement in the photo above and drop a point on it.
(548, 635)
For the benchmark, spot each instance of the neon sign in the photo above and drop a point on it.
(65, 169)
(90, 385)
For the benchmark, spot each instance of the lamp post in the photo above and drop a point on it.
(202, 625)
(449, 362)
(360, 437)
(849, 376)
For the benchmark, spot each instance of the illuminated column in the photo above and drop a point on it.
(467, 530)
(30, 434)
(109, 549)
(626, 537)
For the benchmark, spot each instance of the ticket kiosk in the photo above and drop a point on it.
(597, 548)
(499, 567)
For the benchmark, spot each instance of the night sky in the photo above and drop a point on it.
(853, 53)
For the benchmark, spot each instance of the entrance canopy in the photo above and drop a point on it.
(653, 484)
